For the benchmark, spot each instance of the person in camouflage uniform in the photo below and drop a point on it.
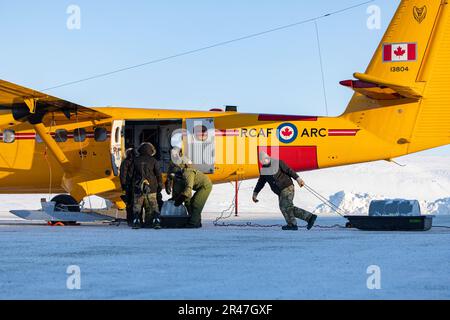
(279, 176)
(151, 208)
(147, 180)
(193, 180)
(289, 211)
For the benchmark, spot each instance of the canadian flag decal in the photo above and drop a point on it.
(399, 52)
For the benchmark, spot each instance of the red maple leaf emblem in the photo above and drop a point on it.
(399, 52)
(286, 132)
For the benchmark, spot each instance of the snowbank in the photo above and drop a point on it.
(424, 178)
(358, 204)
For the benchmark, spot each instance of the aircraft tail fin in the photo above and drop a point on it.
(403, 96)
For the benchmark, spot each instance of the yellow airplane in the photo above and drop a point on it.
(401, 105)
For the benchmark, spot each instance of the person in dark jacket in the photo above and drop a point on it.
(147, 182)
(126, 181)
(279, 176)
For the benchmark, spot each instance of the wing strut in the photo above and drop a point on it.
(54, 148)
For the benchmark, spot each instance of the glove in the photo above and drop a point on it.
(146, 189)
(300, 182)
(168, 188)
(255, 198)
(180, 200)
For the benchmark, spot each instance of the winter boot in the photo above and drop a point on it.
(157, 226)
(311, 222)
(193, 226)
(136, 224)
(290, 227)
(157, 223)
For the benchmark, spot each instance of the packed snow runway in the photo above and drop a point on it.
(244, 263)
(222, 263)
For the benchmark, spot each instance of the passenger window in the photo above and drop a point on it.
(9, 136)
(100, 134)
(61, 135)
(79, 135)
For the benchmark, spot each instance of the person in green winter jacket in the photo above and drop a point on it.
(195, 191)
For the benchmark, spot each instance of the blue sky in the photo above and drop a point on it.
(274, 73)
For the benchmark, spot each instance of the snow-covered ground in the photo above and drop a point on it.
(243, 262)
(223, 263)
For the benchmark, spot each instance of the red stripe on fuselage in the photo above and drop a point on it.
(25, 136)
(342, 132)
(31, 136)
(298, 158)
(227, 133)
(278, 117)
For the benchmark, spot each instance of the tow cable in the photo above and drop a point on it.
(228, 213)
(332, 206)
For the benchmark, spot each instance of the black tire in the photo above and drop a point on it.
(65, 202)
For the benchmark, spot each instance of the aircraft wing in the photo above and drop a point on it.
(380, 89)
(17, 99)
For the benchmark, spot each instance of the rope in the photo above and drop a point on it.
(49, 174)
(267, 226)
(231, 209)
(328, 203)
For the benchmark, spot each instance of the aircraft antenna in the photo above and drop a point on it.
(212, 46)
(321, 68)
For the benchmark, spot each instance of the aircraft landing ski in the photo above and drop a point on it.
(38, 215)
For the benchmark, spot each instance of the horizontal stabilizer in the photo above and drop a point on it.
(380, 89)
